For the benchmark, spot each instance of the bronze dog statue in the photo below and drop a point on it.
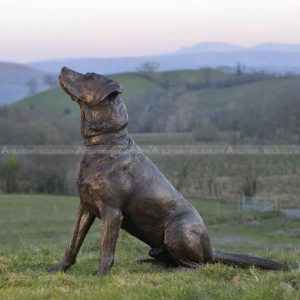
(126, 190)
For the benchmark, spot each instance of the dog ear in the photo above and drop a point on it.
(110, 87)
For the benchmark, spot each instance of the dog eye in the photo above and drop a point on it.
(105, 101)
(112, 96)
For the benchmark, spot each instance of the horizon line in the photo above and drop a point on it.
(28, 62)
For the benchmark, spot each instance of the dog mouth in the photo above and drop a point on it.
(66, 77)
(62, 82)
(65, 87)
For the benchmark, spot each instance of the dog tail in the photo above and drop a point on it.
(244, 261)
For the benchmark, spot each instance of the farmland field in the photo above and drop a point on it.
(34, 230)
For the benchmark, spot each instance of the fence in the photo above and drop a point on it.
(260, 203)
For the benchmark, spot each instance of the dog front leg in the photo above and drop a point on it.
(84, 221)
(112, 220)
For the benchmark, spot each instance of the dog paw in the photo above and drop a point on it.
(54, 269)
(102, 273)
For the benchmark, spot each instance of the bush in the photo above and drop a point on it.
(207, 133)
(9, 173)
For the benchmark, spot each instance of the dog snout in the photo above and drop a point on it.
(64, 69)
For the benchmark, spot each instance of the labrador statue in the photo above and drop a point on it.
(126, 190)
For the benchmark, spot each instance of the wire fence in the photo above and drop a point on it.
(263, 204)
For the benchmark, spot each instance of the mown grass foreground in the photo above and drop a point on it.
(34, 231)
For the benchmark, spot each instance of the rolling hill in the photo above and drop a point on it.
(136, 86)
(180, 101)
(13, 81)
(208, 100)
(57, 101)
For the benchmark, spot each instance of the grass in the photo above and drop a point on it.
(34, 230)
(178, 138)
(261, 93)
(54, 100)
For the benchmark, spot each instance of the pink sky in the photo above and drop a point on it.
(44, 29)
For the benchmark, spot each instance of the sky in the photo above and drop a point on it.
(33, 30)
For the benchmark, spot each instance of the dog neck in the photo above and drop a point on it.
(104, 125)
(108, 138)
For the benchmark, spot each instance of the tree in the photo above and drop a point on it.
(207, 72)
(32, 85)
(50, 80)
(148, 67)
(235, 131)
(240, 69)
(9, 174)
(171, 79)
(4, 112)
(249, 185)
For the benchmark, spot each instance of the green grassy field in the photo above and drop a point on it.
(34, 231)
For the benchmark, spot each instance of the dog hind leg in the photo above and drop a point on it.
(162, 255)
(159, 256)
(188, 244)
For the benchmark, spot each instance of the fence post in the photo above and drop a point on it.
(241, 203)
(218, 208)
(55, 213)
(277, 205)
(28, 214)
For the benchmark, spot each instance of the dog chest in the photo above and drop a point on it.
(105, 178)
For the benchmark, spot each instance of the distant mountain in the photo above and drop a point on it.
(100, 65)
(277, 47)
(210, 47)
(223, 47)
(14, 81)
(274, 61)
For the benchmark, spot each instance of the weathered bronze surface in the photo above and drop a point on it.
(120, 185)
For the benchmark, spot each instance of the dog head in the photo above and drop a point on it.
(102, 109)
